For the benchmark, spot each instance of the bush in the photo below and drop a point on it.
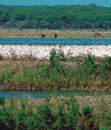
(84, 71)
(2, 100)
(54, 113)
(2, 123)
(57, 56)
(61, 56)
(87, 111)
(52, 58)
(105, 69)
(9, 119)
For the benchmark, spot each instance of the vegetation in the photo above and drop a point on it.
(56, 17)
(61, 113)
(87, 74)
(65, 33)
(2, 100)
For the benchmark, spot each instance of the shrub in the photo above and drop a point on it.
(6, 76)
(88, 66)
(46, 116)
(2, 100)
(52, 58)
(2, 123)
(89, 121)
(60, 113)
(60, 56)
(84, 71)
(21, 117)
(57, 56)
(9, 119)
(87, 111)
(105, 69)
(73, 114)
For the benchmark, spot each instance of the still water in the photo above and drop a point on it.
(48, 41)
(42, 94)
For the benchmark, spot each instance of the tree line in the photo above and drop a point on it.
(56, 17)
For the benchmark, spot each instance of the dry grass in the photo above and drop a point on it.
(94, 101)
(35, 33)
(17, 63)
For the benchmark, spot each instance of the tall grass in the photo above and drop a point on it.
(87, 74)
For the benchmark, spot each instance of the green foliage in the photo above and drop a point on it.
(61, 56)
(7, 120)
(105, 69)
(85, 70)
(5, 76)
(56, 17)
(87, 73)
(52, 57)
(21, 115)
(87, 111)
(2, 100)
(103, 128)
(63, 113)
(88, 67)
(105, 115)
(89, 121)
(47, 117)
(73, 114)
(2, 123)
(56, 56)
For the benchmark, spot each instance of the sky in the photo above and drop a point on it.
(106, 3)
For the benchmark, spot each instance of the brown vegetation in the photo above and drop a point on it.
(34, 33)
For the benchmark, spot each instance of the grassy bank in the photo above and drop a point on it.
(86, 73)
(36, 33)
(56, 113)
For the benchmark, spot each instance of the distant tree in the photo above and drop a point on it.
(56, 17)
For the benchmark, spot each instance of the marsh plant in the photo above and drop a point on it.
(2, 100)
(88, 74)
(57, 113)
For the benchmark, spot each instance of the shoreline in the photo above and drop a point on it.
(75, 89)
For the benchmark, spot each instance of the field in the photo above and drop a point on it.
(36, 33)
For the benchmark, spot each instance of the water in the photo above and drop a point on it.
(48, 41)
(42, 94)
